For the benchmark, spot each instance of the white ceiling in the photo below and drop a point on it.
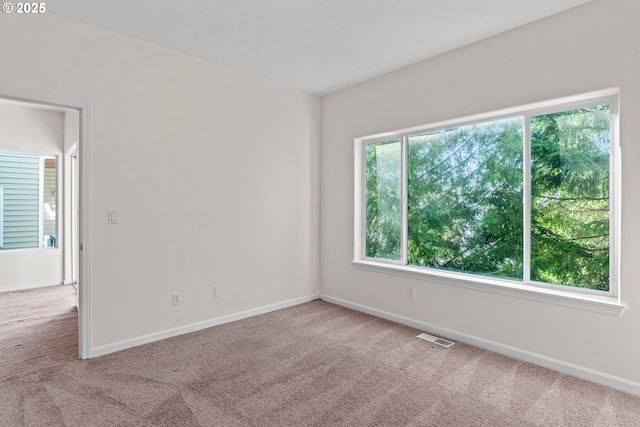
(318, 46)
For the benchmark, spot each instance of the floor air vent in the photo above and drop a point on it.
(436, 340)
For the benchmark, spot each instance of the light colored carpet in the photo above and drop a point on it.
(315, 364)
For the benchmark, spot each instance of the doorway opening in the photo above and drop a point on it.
(65, 251)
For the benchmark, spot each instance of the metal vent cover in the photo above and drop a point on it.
(436, 340)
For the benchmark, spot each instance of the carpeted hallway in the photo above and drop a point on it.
(315, 364)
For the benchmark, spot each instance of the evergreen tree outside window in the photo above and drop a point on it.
(525, 197)
(570, 157)
(465, 199)
(383, 200)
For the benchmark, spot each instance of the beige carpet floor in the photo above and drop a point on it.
(315, 364)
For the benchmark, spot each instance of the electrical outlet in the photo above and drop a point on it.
(176, 299)
(412, 292)
(217, 291)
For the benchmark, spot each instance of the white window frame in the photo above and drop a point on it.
(607, 302)
(41, 243)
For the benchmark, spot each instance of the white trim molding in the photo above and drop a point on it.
(527, 356)
(193, 327)
(26, 286)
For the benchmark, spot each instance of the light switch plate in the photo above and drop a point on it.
(113, 217)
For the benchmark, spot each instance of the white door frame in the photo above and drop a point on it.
(84, 205)
(75, 243)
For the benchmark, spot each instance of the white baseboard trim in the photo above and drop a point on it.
(157, 336)
(547, 362)
(26, 286)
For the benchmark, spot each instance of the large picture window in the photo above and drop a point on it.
(524, 197)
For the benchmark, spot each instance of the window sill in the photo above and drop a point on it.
(600, 304)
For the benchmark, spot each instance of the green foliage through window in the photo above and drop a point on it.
(465, 199)
(570, 198)
(383, 199)
(465, 205)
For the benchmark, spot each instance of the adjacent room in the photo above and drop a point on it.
(251, 209)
